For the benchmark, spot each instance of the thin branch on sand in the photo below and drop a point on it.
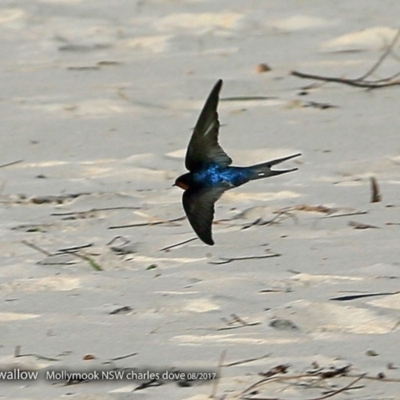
(376, 196)
(351, 82)
(362, 80)
(10, 163)
(362, 295)
(178, 244)
(37, 248)
(341, 390)
(347, 214)
(73, 251)
(236, 320)
(92, 210)
(168, 221)
(123, 357)
(90, 260)
(224, 260)
(76, 248)
(274, 378)
(17, 353)
(219, 368)
(281, 215)
(245, 361)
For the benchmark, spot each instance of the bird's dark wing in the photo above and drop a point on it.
(199, 208)
(203, 147)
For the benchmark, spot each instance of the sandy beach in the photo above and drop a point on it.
(99, 268)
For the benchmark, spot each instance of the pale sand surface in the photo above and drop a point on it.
(98, 99)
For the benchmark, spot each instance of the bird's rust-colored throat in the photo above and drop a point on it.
(181, 185)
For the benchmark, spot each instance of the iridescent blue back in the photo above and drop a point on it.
(215, 175)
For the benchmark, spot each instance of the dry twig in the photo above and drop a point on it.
(37, 248)
(168, 221)
(275, 378)
(362, 80)
(229, 260)
(247, 360)
(376, 197)
(10, 163)
(166, 248)
(219, 368)
(236, 320)
(361, 296)
(92, 210)
(71, 251)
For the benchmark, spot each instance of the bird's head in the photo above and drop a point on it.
(184, 181)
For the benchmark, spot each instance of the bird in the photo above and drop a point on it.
(210, 173)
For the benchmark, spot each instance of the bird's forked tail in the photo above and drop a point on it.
(264, 170)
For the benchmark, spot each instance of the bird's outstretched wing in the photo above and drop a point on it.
(199, 208)
(203, 147)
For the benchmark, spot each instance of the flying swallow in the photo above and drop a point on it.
(210, 173)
